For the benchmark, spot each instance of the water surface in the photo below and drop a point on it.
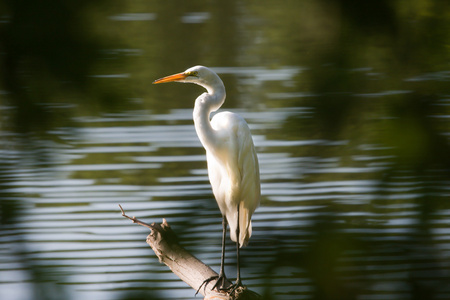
(352, 139)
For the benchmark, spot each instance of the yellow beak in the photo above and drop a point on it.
(170, 78)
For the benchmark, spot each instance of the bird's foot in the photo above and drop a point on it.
(238, 284)
(220, 285)
(205, 283)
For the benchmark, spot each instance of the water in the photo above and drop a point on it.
(353, 154)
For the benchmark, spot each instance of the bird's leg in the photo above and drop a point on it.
(221, 280)
(238, 277)
(238, 282)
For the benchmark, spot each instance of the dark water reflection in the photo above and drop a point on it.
(349, 109)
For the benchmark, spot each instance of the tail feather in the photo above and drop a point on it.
(245, 226)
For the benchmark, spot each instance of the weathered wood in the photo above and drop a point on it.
(186, 266)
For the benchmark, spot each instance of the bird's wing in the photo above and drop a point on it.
(234, 173)
(250, 182)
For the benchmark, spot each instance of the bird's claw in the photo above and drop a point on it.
(219, 285)
(235, 286)
(205, 283)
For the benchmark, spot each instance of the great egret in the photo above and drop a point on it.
(232, 161)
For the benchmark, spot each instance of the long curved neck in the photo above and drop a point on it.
(204, 105)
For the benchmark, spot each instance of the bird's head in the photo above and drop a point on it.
(199, 74)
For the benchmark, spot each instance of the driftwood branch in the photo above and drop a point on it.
(187, 267)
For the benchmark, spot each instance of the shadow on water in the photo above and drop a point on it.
(375, 76)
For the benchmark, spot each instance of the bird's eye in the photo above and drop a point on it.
(192, 73)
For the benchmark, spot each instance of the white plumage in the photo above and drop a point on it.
(232, 161)
(234, 173)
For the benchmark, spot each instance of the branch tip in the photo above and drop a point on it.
(133, 219)
(123, 212)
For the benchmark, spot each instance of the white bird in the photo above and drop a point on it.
(232, 161)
